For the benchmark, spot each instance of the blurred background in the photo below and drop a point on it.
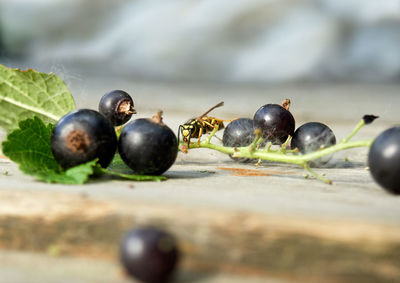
(224, 41)
(337, 60)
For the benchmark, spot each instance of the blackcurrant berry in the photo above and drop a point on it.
(81, 136)
(237, 133)
(117, 106)
(384, 160)
(275, 122)
(148, 146)
(311, 137)
(149, 254)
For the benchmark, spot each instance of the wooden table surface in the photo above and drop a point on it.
(273, 226)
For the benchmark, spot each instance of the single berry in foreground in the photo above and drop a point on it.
(275, 122)
(82, 136)
(117, 106)
(149, 254)
(238, 133)
(384, 160)
(148, 146)
(311, 137)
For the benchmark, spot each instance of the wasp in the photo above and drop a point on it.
(196, 127)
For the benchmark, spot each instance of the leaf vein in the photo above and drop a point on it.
(20, 91)
(30, 108)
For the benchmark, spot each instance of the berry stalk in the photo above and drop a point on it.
(282, 155)
(278, 156)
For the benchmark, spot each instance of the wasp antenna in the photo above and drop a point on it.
(211, 109)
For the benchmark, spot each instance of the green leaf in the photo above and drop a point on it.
(26, 94)
(117, 164)
(29, 146)
(119, 169)
(76, 175)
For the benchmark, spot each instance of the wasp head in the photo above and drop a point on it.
(186, 132)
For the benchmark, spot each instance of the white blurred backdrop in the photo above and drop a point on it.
(246, 41)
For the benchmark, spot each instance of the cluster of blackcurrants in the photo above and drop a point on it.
(147, 146)
(276, 124)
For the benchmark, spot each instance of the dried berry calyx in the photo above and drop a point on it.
(78, 141)
(117, 106)
(157, 118)
(286, 104)
(126, 107)
(82, 136)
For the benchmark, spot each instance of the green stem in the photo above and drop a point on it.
(285, 156)
(212, 134)
(316, 175)
(256, 141)
(283, 147)
(355, 130)
(278, 156)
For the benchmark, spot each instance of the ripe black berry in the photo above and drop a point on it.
(148, 146)
(311, 137)
(237, 133)
(149, 254)
(384, 160)
(117, 106)
(275, 122)
(81, 136)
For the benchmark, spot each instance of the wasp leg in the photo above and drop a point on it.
(212, 124)
(221, 120)
(231, 120)
(200, 134)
